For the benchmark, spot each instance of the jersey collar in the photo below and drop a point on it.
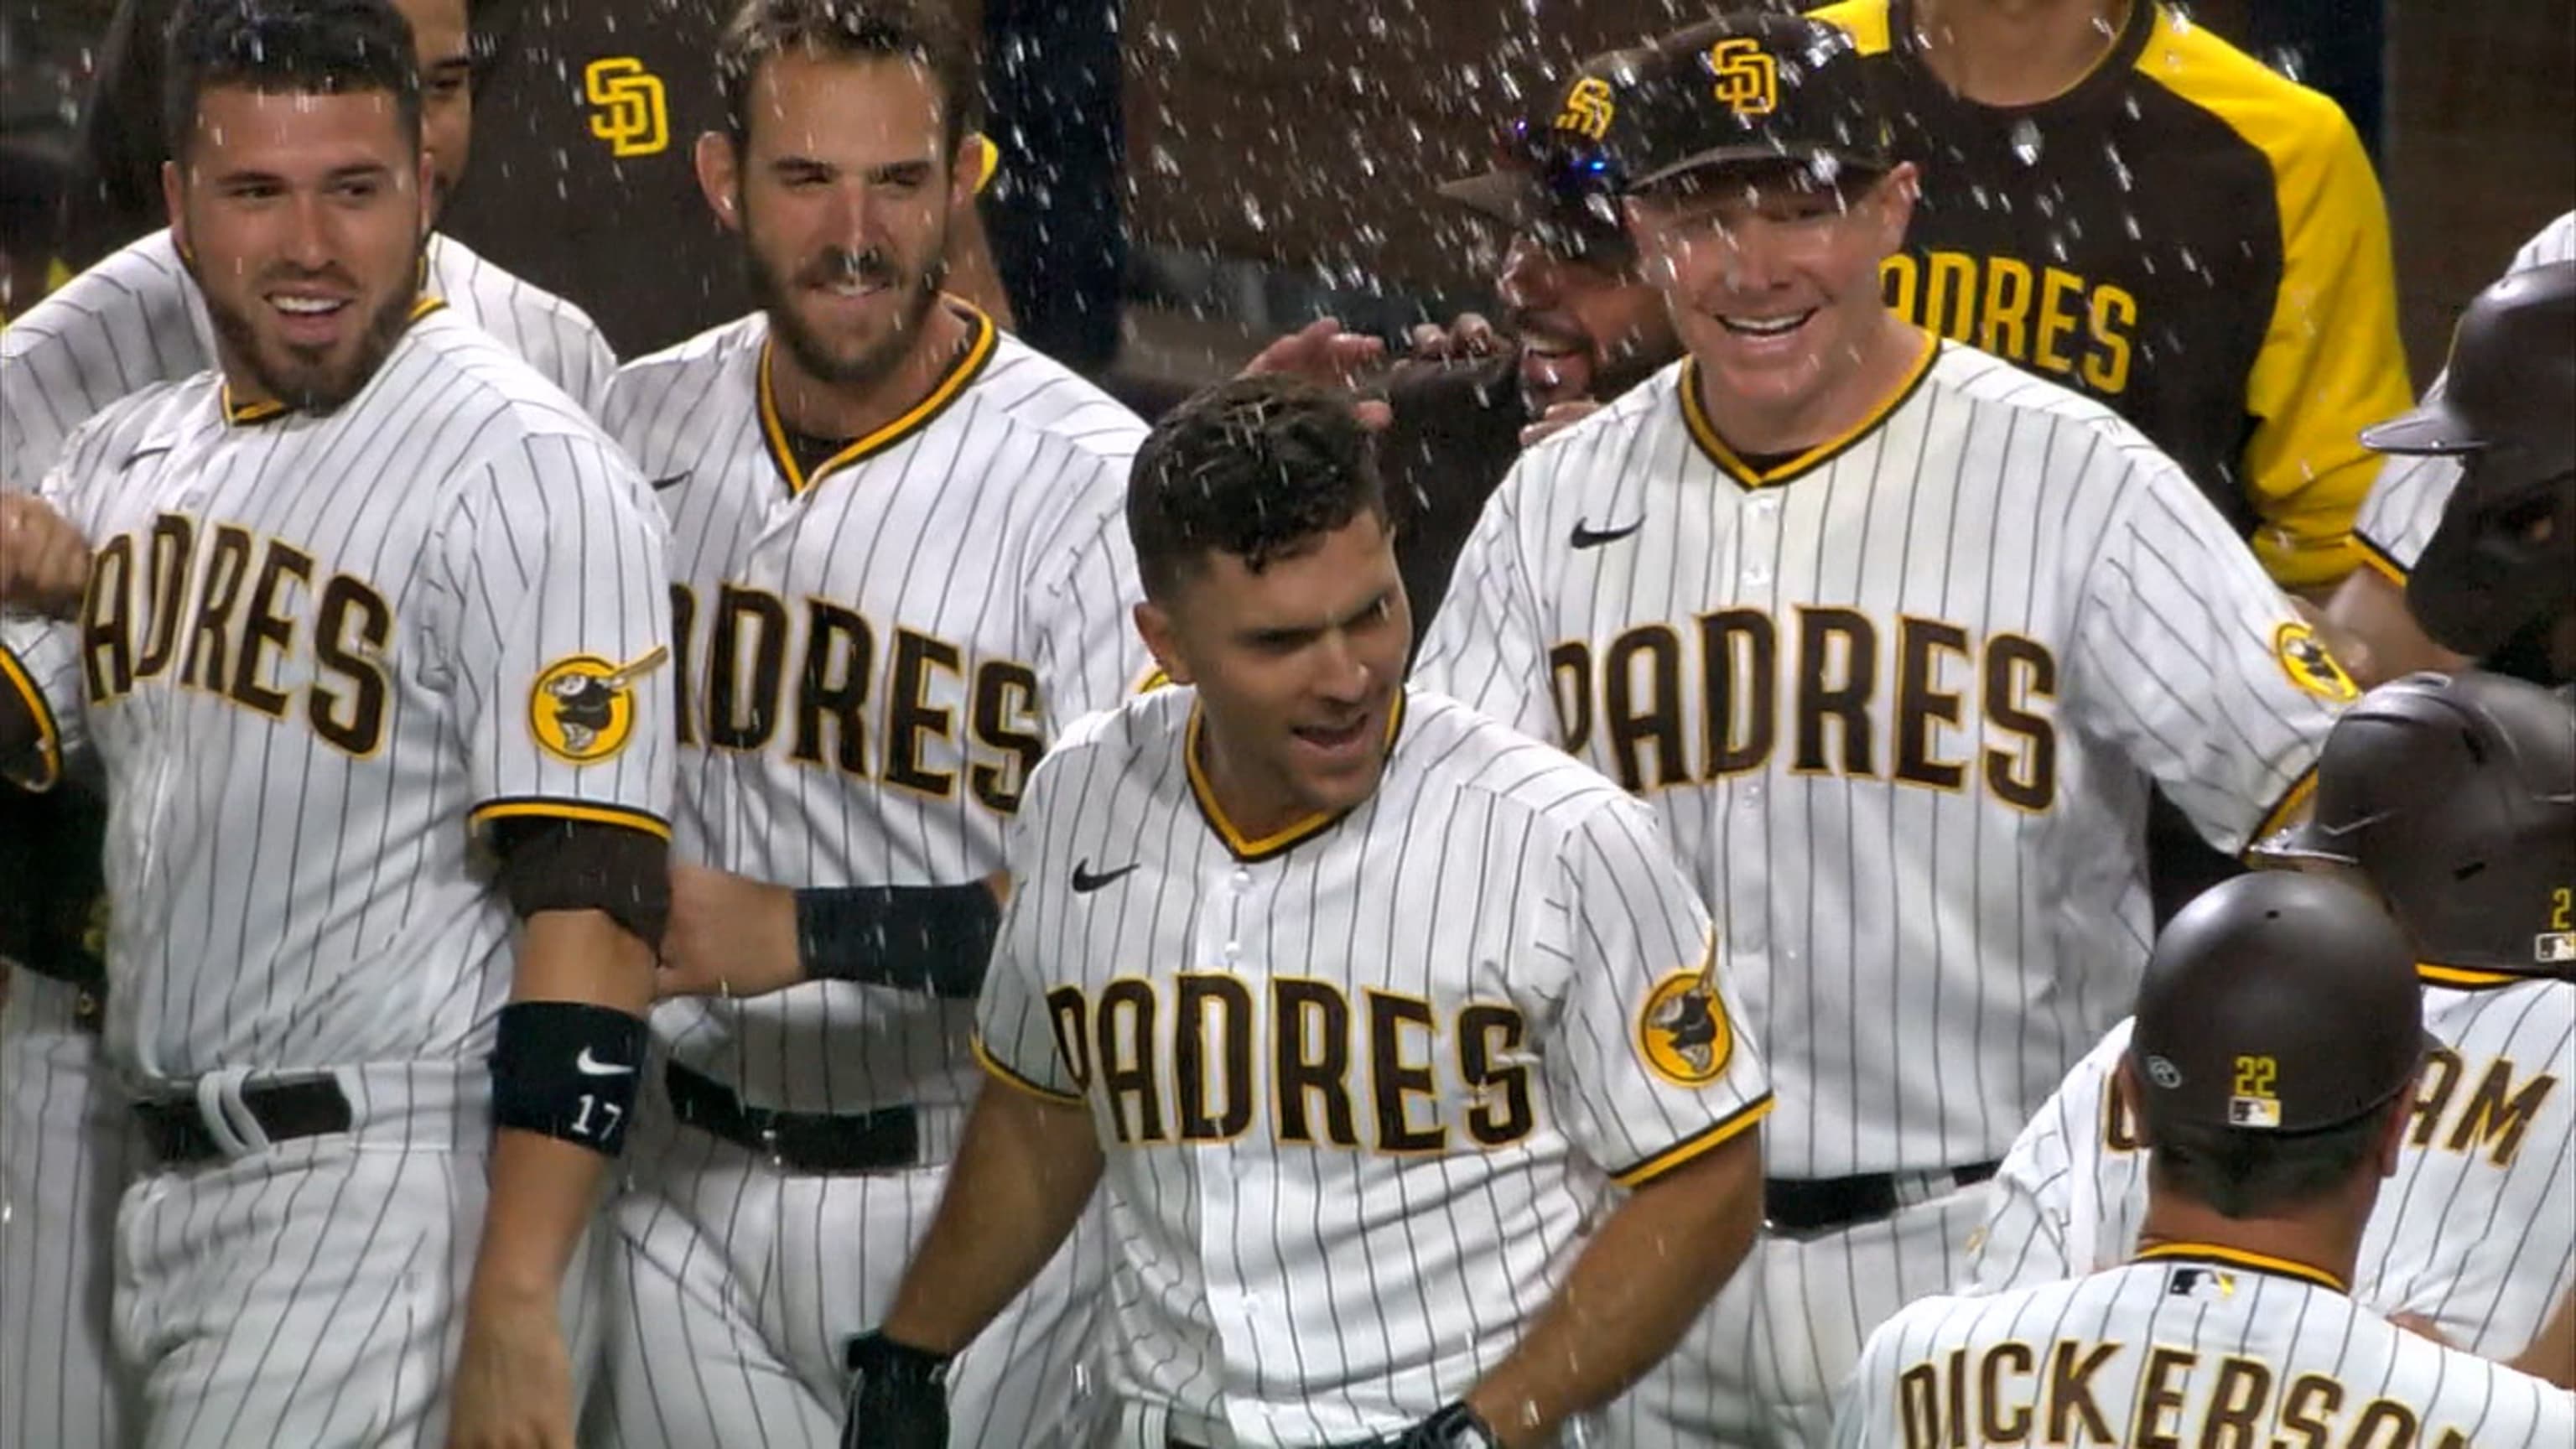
(979, 350)
(1247, 849)
(247, 414)
(2467, 978)
(2239, 1258)
(1714, 448)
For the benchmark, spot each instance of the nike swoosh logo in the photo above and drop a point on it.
(1084, 882)
(591, 1066)
(664, 485)
(1586, 536)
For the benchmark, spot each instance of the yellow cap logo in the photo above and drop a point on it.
(1748, 79)
(629, 109)
(1683, 1032)
(583, 708)
(2305, 659)
(1588, 108)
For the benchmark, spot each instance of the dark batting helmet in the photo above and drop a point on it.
(2456, 795)
(2505, 554)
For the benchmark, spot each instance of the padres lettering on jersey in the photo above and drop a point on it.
(316, 649)
(1897, 702)
(2193, 1345)
(2184, 235)
(1375, 1069)
(873, 656)
(2471, 1232)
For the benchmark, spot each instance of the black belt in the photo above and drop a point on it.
(808, 1142)
(1815, 1205)
(307, 1107)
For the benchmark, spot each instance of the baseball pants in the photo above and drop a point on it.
(312, 1292)
(740, 1282)
(1761, 1367)
(68, 1147)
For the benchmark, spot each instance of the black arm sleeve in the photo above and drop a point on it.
(580, 865)
(915, 938)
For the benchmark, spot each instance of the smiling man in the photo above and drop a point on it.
(1358, 1002)
(899, 574)
(1894, 638)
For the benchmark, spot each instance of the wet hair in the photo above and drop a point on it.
(287, 47)
(920, 31)
(1259, 467)
(2242, 1174)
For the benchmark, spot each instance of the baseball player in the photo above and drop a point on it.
(1894, 638)
(2279, 1039)
(898, 575)
(2455, 799)
(134, 319)
(2513, 363)
(1359, 1002)
(337, 589)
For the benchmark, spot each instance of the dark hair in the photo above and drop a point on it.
(920, 31)
(1260, 467)
(281, 47)
(2243, 1174)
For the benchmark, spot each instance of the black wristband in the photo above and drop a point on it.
(891, 1360)
(568, 1070)
(1455, 1427)
(914, 938)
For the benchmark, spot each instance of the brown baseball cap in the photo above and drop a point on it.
(1551, 175)
(2277, 1002)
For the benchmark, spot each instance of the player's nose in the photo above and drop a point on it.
(1342, 673)
(1750, 257)
(309, 239)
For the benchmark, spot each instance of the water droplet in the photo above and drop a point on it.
(2025, 141)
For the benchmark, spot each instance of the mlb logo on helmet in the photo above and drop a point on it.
(2554, 948)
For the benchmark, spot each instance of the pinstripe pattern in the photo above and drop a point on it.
(1324, 1263)
(2405, 505)
(133, 320)
(362, 604)
(2483, 1247)
(2198, 1346)
(963, 576)
(1898, 703)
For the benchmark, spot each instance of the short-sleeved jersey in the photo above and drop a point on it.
(1898, 702)
(318, 652)
(2407, 502)
(137, 318)
(2192, 1344)
(1363, 1084)
(874, 656)
(2477, 1231)
(2185, 236)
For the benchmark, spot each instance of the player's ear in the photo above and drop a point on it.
(1893, 201)
(971, 168)
(720, 177)
(2392, 1133)
(171, 188)
(1155, 625)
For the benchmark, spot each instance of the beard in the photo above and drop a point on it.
(867, 360)
(307, 379)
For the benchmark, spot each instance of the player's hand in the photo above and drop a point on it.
(1557, 418)
(728, 936)
(1466, 339)
(513, 1386)
(898, 1396)
(1322, 353)
(44, 562)
(1455, 1427)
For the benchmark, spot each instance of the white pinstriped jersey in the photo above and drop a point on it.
(137, 318)
(317, 653)
(874, 658)
(2404, 507)
(2191, 1345)
(2477, 1231)
(1898, 702)
(1363, 1084)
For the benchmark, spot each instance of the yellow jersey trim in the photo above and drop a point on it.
(49, 735)
(244, 414)
(979, 350)
(1279, 842)
(2468, 978)
(526, 808)
(1698, 1144)
(994, 1068)
(1704, 433)
(2283, 811)
(2379, 560)
(2239, 1258)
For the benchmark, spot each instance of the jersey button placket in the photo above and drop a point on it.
(1245, 1308)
